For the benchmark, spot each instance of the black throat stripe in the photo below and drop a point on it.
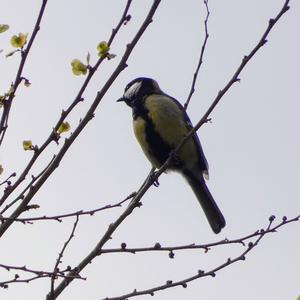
(157, 147)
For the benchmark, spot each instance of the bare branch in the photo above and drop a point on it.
(235, 78)
(241, 257)
(206, 247)
(89, 115)
(153, 177)
(7, 180)
(192, 90)
(24, 53)
(38, 274)
(124, 19)
(22, 194)
(68, 142)
(53, 137)
(78, 213)
(122, 65)
(60, 255)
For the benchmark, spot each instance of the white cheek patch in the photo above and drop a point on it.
(133, 90)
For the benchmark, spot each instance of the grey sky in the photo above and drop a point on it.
(252, 146)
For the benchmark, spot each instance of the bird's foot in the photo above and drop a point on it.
(153, 178)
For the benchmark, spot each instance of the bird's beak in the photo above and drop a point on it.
(124, 99)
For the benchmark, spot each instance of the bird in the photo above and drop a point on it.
(160, 123)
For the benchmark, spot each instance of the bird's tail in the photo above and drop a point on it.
(206, 200)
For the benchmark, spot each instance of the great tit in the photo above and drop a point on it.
(160, 123)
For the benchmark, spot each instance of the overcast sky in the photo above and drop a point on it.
(252, 146)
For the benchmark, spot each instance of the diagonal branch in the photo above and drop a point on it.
(53, 136)
(122, 65)
(87, 118)
(24, 54)
(29, 185)
(234, 79)
(152, 177)
(60, 255)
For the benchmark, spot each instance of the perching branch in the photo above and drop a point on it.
(234, 79)
(98, 248)
(122, 65)
(153, 177)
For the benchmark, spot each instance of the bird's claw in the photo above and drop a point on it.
(154, 179)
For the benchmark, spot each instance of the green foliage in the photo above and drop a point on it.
(3, 27)
(27, 145)
(19, 41)
(78, 68)
(64, 127)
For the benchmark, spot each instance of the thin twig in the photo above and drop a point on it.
(78, 213)
(221, 93)
(38, 274)
(89, 115)
(60, 255)
(203, 47)
(79, 97)
(150, 179)
(134, 203)
(24, 53)
(22, 194)
(206, 247)
(7, 180)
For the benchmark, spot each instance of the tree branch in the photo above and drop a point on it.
(192, 89)
(60, 255)
(235, 78)
(89, 115)
(24, 54)
(38, 274)
(153, 177)
(122, 65)
(22, 194)
(206, 247)
(79, 97)
(241, 257)
(59, 218)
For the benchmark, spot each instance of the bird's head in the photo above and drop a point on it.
(137, 89)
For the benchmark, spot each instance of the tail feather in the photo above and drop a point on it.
(206, 200)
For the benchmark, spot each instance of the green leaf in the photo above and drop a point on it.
(64, 127)
(27, 145)
(78, 68)
(3, 27)
(103, 49)
(18, 41)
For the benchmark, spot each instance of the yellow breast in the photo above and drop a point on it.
(169, 122)
(139, 128)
